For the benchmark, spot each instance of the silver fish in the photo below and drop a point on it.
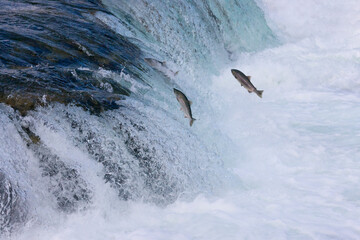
(161, 66)
(185, 105)
(245, 82)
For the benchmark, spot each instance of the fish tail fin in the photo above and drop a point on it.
(192, 121)
(259, 93)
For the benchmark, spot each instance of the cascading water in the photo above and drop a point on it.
(93, 144)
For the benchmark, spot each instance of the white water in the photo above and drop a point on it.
(295, 151)
(298, 146)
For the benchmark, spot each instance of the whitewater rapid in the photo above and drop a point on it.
(285, 166)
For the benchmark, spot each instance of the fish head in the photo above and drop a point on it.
(234, 72)
(180, 96)
(178, 92)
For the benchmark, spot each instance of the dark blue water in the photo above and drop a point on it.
(43, 43)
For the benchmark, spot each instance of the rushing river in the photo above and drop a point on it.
(93, 144)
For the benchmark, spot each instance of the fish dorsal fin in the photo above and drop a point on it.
(249, 77)
(190, 102)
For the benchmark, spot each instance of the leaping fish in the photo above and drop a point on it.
(245, 82)
(161, 66)
(185, 105)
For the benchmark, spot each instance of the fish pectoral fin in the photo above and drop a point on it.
(249, 77)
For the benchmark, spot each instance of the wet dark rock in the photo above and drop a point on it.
(25, 89)
(32, 137)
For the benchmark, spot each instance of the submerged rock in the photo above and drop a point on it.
(26, 89)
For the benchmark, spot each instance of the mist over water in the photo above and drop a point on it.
(285, 166)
